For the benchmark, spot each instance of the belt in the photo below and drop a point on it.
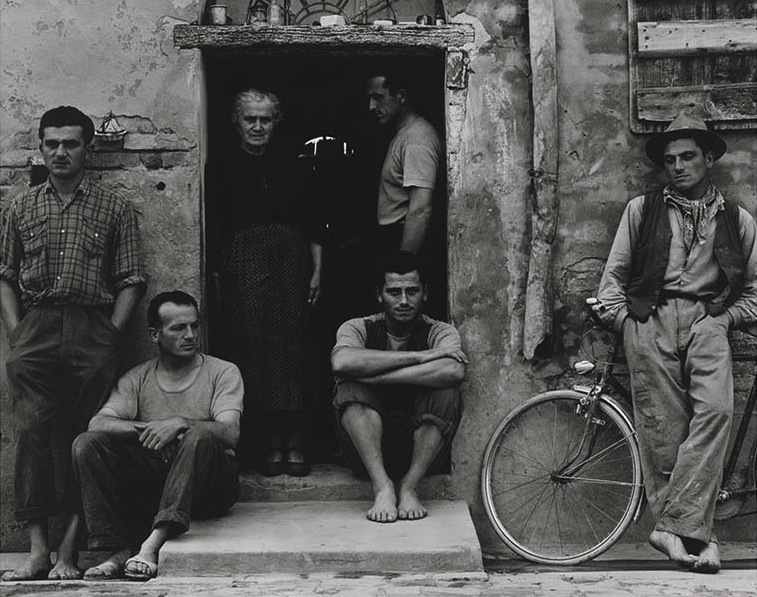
(107, 309)
(666, 295)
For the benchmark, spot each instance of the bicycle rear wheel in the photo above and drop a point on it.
(541, 513)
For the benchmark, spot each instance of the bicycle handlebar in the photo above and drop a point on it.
(593, 304)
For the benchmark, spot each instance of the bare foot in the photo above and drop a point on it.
(111, 568)
(65, 569)
(35, 567)
(384, 507)
(672, 546)
(709, 559)
(410, 507)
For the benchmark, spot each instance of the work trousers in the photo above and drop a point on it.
(682, 384)
(402, 409)
(123, 484)
(61, 365)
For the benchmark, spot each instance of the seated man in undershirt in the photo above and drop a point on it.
(397, 399)
(161, 446)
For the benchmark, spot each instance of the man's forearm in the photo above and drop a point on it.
(744, 310)
(114, 425)
(441, 373)
(354, 363)
(226, 433)
(612, 287)
(316, 254)
(10, 305)
(417, 220)
(126, 301)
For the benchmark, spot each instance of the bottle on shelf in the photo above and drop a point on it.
(440, 14)
(362, 10)
(256, 12)
(274, 14)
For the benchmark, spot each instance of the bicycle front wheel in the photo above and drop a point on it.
(556, 489)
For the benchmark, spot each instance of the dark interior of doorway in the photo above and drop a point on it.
(323, 95)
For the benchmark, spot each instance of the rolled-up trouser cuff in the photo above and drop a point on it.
(110, 544)
(179, 522)
(24, 515)
(440, 407)
(698, 532)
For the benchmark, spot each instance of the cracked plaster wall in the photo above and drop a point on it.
(103, 56)
(131, 67)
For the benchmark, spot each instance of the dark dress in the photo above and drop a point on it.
(265, 224)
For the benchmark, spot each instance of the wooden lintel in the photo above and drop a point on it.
(713, 102)
(680, 38)
(240, 36)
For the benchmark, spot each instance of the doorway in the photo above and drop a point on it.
(341, 151)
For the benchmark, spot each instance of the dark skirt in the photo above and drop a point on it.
(266, 269)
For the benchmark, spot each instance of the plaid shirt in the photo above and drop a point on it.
(81, 252)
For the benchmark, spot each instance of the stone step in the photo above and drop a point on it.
(328, 482)
(324, 536)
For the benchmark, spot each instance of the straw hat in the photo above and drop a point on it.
(685, 126)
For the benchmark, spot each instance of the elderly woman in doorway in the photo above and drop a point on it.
(270, 264)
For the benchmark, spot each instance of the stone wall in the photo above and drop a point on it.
(101, 57)
(119, 56)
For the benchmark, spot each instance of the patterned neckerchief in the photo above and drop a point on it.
(695, 218)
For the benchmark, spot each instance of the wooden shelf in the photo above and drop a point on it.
(390, 37)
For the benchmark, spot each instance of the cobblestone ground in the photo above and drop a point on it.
(654, 579)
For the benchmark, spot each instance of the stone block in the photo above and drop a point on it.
(17, 158)
(157, 142)
(328, 482)
(113, 161)
(307, 537)
(177, 159)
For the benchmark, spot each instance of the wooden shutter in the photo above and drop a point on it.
(698, 55)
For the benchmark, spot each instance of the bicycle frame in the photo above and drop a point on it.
(738, 443)
(587, 408)
(605, 377)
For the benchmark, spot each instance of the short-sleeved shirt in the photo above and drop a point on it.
(81, 252)
(217, 388)
(412, 160)
(354, 333)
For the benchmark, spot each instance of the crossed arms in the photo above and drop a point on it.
(432, 368)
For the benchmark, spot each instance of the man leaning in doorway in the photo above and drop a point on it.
(70, 277)
(679, 277)
(409, 172)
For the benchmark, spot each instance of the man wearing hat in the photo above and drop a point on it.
(679, 277)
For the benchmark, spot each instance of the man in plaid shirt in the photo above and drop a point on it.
(70, 277)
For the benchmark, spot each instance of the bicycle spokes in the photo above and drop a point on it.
(560, 487)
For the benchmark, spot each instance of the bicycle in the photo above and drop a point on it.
(561, 478)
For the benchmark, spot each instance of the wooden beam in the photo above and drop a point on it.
(543, 48)
(680, 38)
(736, 101)
(395, 36)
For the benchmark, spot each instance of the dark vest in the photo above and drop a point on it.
(376, 337)
(650, 258)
